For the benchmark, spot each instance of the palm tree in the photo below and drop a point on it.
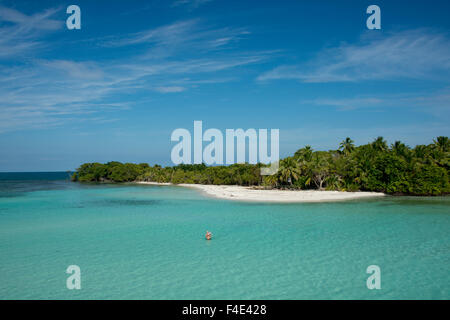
(440, 151)
(304, 153)
(159, 174)
(347, 146)
(379, 144)
(442, 143)
(272, 180)
(334, 182)
(289, 170)
(421, 151)
(400, 148)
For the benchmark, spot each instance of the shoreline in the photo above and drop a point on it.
(242, 193)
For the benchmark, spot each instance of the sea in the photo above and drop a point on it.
(148, 242)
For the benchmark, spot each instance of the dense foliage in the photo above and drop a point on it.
(395, 169)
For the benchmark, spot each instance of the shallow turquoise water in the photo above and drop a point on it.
(147, 242)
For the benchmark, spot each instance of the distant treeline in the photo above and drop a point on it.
(395, 169)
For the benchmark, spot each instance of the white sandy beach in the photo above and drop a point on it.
(241, 193)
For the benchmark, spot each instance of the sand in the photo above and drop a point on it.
(240, 193)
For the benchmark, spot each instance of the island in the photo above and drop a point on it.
(349, 172)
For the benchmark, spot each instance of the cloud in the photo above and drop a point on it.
(189, 37)
(72, 69)
(38, 21)
(170, 89)
(164, 35)
(42, 92)
(192, 4)
(412, 54)
(436, 103)
(20, 33)
(349, 103)
(191, 66)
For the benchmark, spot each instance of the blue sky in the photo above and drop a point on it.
(137, 70)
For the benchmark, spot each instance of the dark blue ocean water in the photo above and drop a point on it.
(15, 184)
(35, 176)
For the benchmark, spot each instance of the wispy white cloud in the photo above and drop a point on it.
(347, 103)
(414, 54)
(53, 92)
(143, 68)
(38, 21)
(72, 69)
(191, 4)
(170, 89)
(20, 33)
(436, 102)
(46, 93)
(186, 37)
(165, 35)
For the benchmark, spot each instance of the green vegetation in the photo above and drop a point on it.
(398, 169)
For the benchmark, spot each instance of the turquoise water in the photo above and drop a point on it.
(147, 242)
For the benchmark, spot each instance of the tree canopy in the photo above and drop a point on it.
(376, 166)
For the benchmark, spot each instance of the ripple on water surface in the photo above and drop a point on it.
(148, 242)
